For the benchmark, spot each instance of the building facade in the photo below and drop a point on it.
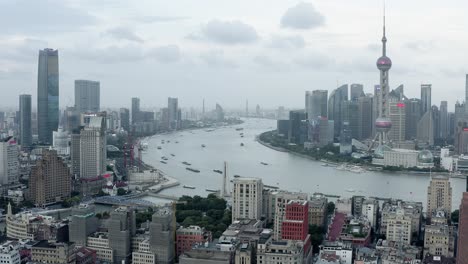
(93, 152)
(25, 138)
(47, 94)
(247, 198)
(462, 244)
(439, 195)
(87, 96)
(9, 161)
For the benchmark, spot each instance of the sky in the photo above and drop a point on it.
(267, 51)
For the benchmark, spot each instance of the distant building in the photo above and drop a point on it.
(9, 161)
(87, 96)
(47, 94)
(75, 154)
(93, 148)
(135, 110)
(407, 158)
(426, 98)
(173, 113)
(247, 198)
(413, 115)
(397, 114)
(316, 104)
(461, 137)
(25, 128)
(439, 195)
(346, 139)
(335, 101)
(219, 113)
(425, 131)
(398, 213)
(365, 116)
(298, 127)
(357, 91)
(61, 142)
(50, 179)
(9, 252)
(83, 223)
(462, 244)
(444, 120)
(125, 119)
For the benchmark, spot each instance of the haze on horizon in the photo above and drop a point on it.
(228, 51)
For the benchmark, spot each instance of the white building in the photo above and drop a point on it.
(408, 158)
(61, 142)
(370, 210)
(9, 163)
(341, 249)
(247, 199)
(344, 206)
(93, 148)
(9, 253)
(399, 227)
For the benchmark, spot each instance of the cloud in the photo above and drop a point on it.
(24, 16)
(111, 54)
(124, 33)
(20, 49)
(287, 42)
(165, 54)
(216, 58)
(270, 63)
(420, 46)
(302, 16)
(228, 32)
(314, 60)
(159, 19)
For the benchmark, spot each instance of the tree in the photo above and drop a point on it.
(330, 208)
(455, 216)
(121, 191)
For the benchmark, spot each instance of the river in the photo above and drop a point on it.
(287, 171)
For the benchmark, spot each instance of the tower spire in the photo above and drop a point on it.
(384, 38)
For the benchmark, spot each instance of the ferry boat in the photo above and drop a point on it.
(188, 187)
(350, 190)
(172, 155)
(218, 171)
(211, 190)
(241, 144)
(162, 161)
(159, 147)
(186, 163)
(164, 158)
(236, 176)
(192, 170)
(203, 145)
(239, 129)
(177, 142)
(263, 163)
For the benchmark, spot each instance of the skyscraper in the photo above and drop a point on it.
(436, 121)
(125, 119)
(462, 255)
(425, 130)
(173, 111)
(93, 148)
(25, 121)
(466, 89)
(365, 117)
(439, 195)
(443, 120)
(337, 97)
(135, 109)
(425, 98)
(383, 123)
(122, 228)
(316, 104)
(9, 163)
(87, 96)
(50, 179)
(397, 115)
(47, 94)
(357, 91)
(413, 115)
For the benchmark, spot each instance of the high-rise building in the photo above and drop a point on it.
(346, 146)
(436, 121)
(162, 237)
(87, 96)
(357, 91)
(462, 244)
(365, 117)
(281, 199)
(425, 130)
(125, 119)
(316, 104)
(247, 199)
(295, 224)
(461, 137)
(9, 161)
(75, 154)
(397, 115)
(426, 98)
(298, 127)
(83, 223)
(173, 112)
(350, 114)
(439, 195)
(25, 121)
(399, 228)
(93, 148)
(443, 120)
(47, 94)
(50, 179)
(466, 89)
(337, 97)
(121, 227)
(135, 110)
(413, 115)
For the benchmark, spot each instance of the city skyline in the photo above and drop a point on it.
(198, 51)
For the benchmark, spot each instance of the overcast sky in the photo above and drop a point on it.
(269, 51)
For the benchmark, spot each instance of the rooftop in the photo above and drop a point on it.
(334, 230)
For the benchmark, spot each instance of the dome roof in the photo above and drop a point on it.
(425, 156)
(384, 63)
(379, 151)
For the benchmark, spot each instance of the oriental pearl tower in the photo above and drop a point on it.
(383, 122)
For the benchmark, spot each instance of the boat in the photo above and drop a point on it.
(239, 129)
(350, 190)
(188, 187)
(159, 147)
(164, 158)
(242, 136)
(356, 169)
(162, 161)
(192, 170)
(203, 145)
(211, 190)
(186, 163)
(236, 176)
(177, 142)
(172, 155)
(242, 144)
(325, 164)
(263, 163)
(168, 141)
(218, 171)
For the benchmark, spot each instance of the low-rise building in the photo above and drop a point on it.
(344, 206)
(342, 249)
(99, 242)
(9, 253)
(357, 231)
(318, 209)
(392, 252)
(53, 253)
(187, 237)
(438, 259)
(439, 236)
(370, 210)
(85, 256)
(413, 210)
(209, 253)
(271, 251)
(365, 255)
(407, 158)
